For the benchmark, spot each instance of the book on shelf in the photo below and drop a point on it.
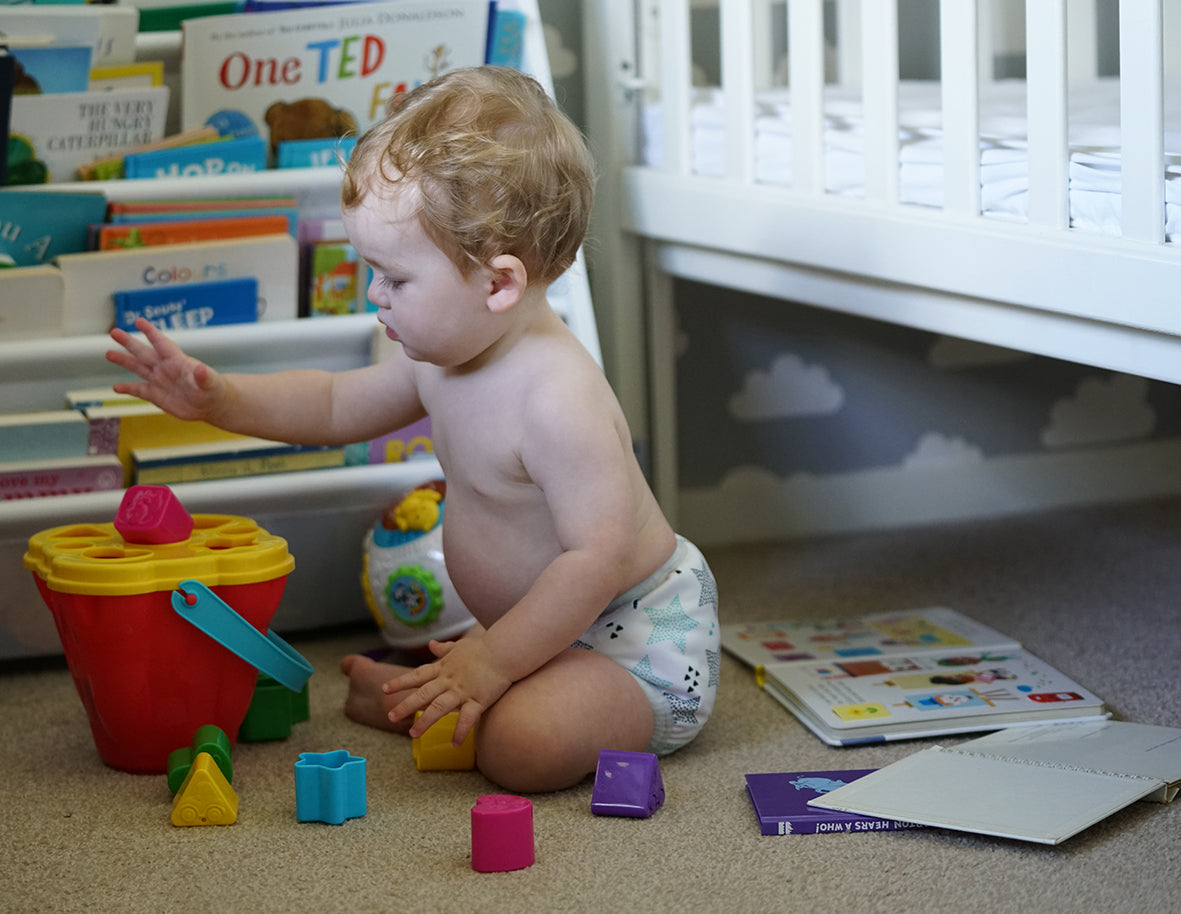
(110, 167)
(321, 72)
(54, 135)
(290, 213)
(167, 15)
(780, 802)
(93, 278)
(59, 476)
(31, 302)
(410, 443)
(42, 433)
(228, 459)
(7, 82)
(333, 270)
(904, 675)
(506, 48)
(1042, 784)
(52, 68)
(121, 428)
(221, 157)
(36, 227)
(85, 397)
(314, 153)
(139, 74)
(190, 305)
(122, 235)
(169, 207)
(108, 29)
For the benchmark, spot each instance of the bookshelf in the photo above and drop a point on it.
(323, 514)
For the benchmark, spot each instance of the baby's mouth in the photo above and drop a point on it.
(389, 331)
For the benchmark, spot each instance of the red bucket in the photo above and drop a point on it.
(147, 677)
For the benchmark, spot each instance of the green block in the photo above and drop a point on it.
(273, 711)
(209, 738)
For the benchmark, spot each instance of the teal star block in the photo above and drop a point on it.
(329, 787)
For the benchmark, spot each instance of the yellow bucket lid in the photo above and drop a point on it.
(95, 559)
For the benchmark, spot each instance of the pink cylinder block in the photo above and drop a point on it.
(502, 833)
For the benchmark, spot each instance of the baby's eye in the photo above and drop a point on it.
(390, 283)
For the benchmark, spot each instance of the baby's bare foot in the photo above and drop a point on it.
(367, 703)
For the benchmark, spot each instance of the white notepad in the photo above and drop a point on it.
(1043, 783)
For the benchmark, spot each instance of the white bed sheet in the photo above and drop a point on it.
(1094, 134)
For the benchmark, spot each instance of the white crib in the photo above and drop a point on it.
(809, 192)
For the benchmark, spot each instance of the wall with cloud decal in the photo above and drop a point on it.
(792, 419)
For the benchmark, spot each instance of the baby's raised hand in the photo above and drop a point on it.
(173, 380)
(464, 678)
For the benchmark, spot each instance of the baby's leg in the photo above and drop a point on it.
(366, 702)
(546, 732)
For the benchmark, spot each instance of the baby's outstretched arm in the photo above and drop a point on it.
(303, 406)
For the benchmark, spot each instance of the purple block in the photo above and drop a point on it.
(627, 784)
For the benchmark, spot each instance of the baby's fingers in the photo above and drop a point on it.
(469, 714)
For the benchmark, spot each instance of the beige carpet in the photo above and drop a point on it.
(1094, 592)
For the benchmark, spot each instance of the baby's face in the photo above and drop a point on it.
(422, 299)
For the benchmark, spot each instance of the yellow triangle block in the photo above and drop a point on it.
(205, 797)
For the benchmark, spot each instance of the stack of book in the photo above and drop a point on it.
(255, 92)
(47, 453)
(251, 91)
(101, 440)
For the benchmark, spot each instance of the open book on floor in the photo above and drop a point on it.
(1040, 784)
(903, 675)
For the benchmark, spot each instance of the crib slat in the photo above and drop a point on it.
(879, 98)
(1045, 64)
(1083, 41)
(805, 42)
(675, 84)
(961, 126)
(1142, 192)
(762, 53)
(738, 88)
(850, 39)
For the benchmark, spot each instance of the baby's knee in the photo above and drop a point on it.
(515, 750)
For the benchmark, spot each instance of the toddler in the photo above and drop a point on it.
(596, 625)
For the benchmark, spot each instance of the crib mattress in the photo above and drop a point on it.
(1094, 137)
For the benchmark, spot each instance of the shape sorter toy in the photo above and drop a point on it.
(273, 711)
(434, 751)
(149, 674)
(329, 787)
(502, 833)
(205, 797)
(210, 740)
(627, 784)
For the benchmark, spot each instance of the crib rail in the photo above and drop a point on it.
(867, 51)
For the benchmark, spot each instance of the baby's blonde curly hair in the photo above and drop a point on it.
(498, 166)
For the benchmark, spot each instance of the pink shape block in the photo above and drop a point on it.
(502, 833)
(152, 514)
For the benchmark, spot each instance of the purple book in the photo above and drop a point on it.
(781, 804)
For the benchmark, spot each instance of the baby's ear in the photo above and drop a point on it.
(509, 279)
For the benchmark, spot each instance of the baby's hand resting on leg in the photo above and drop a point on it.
(464, 678)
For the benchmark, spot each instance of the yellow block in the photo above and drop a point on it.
(205, 797)
(433, 750)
